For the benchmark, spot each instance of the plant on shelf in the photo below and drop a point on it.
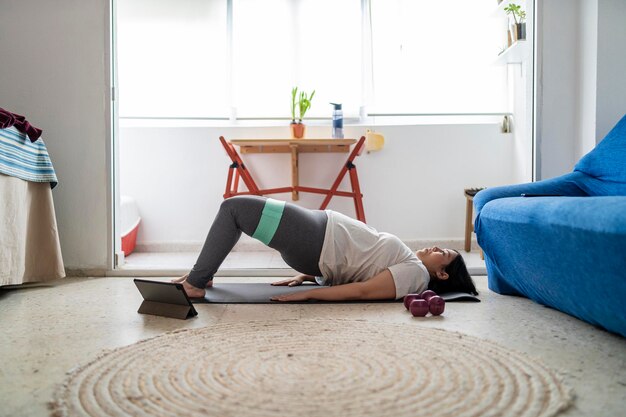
(519, 19)
(303, 103)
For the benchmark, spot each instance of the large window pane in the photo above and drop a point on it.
(314, 44)
(172, 58)
(263, 64)
(329, 56)
(433, 56)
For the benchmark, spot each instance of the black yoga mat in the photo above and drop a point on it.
(260, 293)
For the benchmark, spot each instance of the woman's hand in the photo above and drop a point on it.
(379, 287)
(292, 282)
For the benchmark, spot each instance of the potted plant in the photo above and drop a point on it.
(303, 103)
(519, 19)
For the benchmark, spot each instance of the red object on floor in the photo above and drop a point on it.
(129, 240)
(129, 223)
(238, 170)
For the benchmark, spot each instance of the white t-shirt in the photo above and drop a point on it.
(355, 252)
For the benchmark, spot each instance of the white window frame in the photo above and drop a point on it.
(367, 90)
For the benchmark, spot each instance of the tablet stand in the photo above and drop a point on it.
(175, 311)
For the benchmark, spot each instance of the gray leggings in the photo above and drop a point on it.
(299, 237)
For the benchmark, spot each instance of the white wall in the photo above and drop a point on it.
(611, 67)
(581, 76)
(412, 188)
(587, 77)
(54, 70)
(521, 85)
(558, 88)
(520, 77)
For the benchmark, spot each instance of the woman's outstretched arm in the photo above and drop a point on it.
(380, 287)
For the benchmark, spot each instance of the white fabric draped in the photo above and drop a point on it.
(30, 250)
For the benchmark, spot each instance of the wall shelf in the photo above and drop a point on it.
(514, 54)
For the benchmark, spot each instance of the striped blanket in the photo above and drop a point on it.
(21, 158)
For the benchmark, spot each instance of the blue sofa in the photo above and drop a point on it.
(567, 251)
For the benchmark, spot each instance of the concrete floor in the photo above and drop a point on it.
(48, 329)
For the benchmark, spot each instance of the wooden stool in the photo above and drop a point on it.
(469, 214)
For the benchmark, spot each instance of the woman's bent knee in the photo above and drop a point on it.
(241, 201)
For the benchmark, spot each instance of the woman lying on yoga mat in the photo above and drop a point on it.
(350, 259)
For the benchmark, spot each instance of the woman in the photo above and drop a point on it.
(350, 260)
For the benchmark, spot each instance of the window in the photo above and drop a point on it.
(217, 58)
(278, 44)
(172, 58)
(436, 56)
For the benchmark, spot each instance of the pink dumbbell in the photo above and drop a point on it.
(436, 305)
(408, 298)
(418, 307)
(420, 304)
(426, 295)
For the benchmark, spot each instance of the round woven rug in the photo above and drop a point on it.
(312, 368)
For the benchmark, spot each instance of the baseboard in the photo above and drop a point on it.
(167, 247)
(456, 244)
(71, 272)
(247, 244)
(227, 272)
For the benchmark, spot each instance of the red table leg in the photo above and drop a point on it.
(354, 182)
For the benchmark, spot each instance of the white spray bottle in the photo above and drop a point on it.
(337, 121)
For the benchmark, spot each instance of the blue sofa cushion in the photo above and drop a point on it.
(565, 252)
(606, 164)
(566, 185)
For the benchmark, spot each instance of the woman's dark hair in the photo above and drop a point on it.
(459, 279)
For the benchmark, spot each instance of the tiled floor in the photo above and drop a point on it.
(47, 330)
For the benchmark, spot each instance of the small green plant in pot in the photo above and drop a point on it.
(302, 102)
(519, 19)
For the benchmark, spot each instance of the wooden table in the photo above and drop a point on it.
(295, 147)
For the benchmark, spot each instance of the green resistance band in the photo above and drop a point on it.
(270, 219)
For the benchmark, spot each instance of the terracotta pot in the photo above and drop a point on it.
(297, 130)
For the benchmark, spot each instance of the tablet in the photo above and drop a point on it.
(167, 299)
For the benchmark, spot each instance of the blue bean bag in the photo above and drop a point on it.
(567, 248)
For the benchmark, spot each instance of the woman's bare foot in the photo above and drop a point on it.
(181, 279)
(184, 278)
(192, 292)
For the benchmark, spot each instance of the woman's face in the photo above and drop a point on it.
(436, 260)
